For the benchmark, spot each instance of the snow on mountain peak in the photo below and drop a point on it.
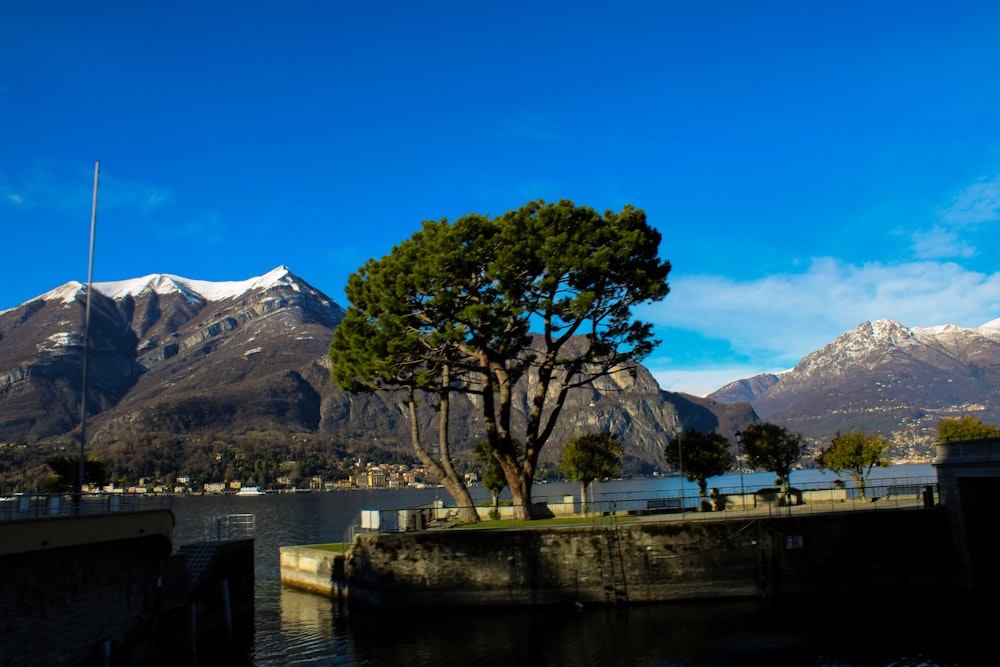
(156, 283)
(989, 330)
(65, 293)
(200, 290)
(884, 331)
(867, 340)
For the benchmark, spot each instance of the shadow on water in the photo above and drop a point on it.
(709, 634)
(297, 628)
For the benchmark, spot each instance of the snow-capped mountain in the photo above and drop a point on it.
(882, 377)
(174, 359)
(157, 336)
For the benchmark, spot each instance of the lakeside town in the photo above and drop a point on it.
(366, 476)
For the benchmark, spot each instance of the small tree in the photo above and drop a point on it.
(857, 453)
(772, 447)
(66, 473)
(591, 456)
(965, 427)
(491, 474)
(700, 455)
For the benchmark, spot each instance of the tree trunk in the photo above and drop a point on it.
(442, 469)
(466, 508)
(520, 491)
(583, 497)
(859, 481)
(703, 505)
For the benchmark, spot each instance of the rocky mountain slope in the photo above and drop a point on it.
(885, 378)
(212, 362)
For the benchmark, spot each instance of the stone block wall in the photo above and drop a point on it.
(838, 554)
(74, 605)
(124, 602)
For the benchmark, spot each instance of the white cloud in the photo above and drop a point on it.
(700, 382)
(140, 197)
(780, 318)
(966, 214)
(976, 204)
(951, 236)
(940, 243)
(62, 190)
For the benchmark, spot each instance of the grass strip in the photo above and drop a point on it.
(539, 523)
(335, 548)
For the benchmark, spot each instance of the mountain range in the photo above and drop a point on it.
(885, 378)
(174, 362)
(178, 365)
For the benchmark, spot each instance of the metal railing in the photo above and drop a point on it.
(31, 506)
(230, 527)
(809, 497)
(721, 503)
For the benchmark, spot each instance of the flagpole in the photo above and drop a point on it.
(86, 327)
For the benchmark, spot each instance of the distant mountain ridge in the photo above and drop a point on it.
(153, 336)
(178, 360)
(882, 377)
(170, 356)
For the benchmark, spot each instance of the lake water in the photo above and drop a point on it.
(296, 628)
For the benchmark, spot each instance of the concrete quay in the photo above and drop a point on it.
(820, 543)
(106, 588)
(643, 559)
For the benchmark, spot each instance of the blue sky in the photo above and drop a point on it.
(811, 165)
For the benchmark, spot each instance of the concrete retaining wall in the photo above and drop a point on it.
(869, 553)
(315, 570)
(122, 601)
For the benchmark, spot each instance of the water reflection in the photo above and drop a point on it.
(297, 628)
(716, 634)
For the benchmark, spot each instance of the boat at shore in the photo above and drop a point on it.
(250, 491)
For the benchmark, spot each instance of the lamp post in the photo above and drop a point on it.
(678, 431)
(739, 462)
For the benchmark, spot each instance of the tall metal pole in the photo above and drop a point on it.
(86, 327)
(739, 462)
(678, 432)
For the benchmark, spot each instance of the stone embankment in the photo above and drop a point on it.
(107, 589)
(836, 554)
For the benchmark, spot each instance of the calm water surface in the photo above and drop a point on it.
(296, 628)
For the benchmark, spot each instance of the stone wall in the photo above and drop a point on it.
(969, 479)
(868, 553)
(70, 605)
(124, 602)
(314, 570)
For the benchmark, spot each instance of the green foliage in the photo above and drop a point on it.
(490, 472)
(700, 456)
(591, 456)
(771, 447)
(856, 453)
(454, 307)
(65, 476)
(965, 427)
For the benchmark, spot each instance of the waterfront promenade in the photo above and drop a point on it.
(638, 550)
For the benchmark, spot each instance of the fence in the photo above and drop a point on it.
(720, 503)
(24, 506)
(229, 527)
(804, 498)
